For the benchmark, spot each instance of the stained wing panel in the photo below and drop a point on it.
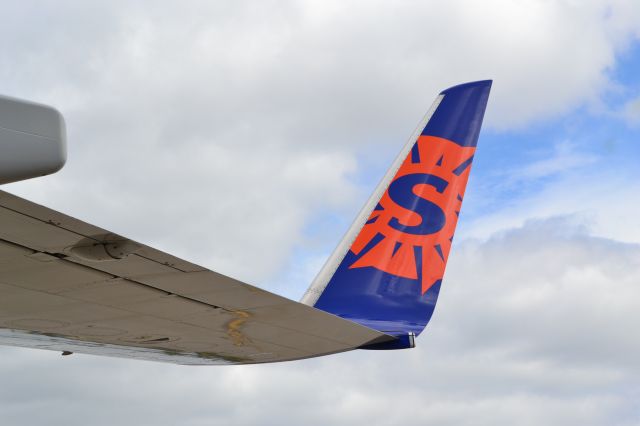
(68, 285)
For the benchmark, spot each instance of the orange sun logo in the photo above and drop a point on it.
(415, 219)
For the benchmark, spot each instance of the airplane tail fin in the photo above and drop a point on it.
(387, 271)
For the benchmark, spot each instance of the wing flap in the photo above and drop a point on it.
(146, 304)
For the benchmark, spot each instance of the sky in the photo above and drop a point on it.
(245, 135)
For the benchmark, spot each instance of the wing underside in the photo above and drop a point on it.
(70, 286)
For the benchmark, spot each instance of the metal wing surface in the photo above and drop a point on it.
(70, 286)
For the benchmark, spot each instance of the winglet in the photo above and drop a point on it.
(387, 271)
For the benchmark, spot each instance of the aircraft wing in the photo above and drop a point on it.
(71, 286)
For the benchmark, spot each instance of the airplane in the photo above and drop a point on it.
(70, 286)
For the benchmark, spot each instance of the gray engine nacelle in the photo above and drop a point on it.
(32, 140)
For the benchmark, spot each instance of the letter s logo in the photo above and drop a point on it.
(401, 191)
